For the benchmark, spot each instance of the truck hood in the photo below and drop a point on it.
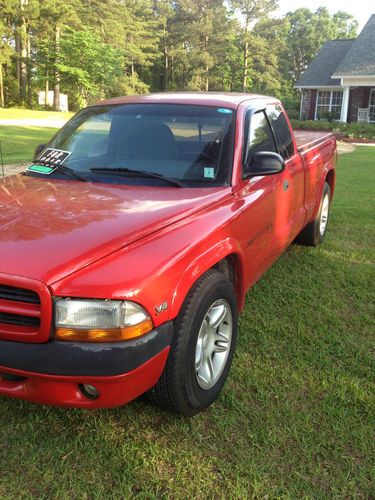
(52, 228)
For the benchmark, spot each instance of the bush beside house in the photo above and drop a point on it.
(356, 132)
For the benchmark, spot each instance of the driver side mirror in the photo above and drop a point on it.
(264, 163)
(38, 150)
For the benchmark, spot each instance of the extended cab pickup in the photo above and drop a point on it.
(127, 247)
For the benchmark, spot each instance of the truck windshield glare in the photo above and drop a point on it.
(190, 144)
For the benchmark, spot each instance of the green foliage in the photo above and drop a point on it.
(345, 130)
(99, 48)
(306, 33)
(87, 65)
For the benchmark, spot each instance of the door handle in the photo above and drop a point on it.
(285, 185)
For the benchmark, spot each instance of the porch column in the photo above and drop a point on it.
(345, 105)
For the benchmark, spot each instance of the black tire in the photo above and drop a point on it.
(177, 389)
(311, 234)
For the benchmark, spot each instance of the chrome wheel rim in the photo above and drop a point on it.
(213, 344)
(324, 214)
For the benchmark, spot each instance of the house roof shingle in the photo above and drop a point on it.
(319, 72)
(360, 58)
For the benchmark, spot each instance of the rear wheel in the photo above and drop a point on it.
(313, 234)
(202, 349)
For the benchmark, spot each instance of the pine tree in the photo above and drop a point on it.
(56, 17)
(252, 11)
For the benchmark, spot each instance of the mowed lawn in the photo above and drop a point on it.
(19, 143)
(295, 420)
(31, 114)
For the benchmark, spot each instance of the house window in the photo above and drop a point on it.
(328, 104)
(371, 108)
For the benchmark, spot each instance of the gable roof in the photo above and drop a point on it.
(360, 58)
(319, 72)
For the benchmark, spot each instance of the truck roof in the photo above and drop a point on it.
(226, 99)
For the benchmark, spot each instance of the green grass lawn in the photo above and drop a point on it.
(21, 113)
(19, 143)
(295, 420)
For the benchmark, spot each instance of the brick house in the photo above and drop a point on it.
(340, 81)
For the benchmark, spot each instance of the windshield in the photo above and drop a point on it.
(190, 144)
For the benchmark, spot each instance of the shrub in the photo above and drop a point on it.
(351, 131)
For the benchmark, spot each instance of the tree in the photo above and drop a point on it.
(252, 11)
(87, 65)
(140, 42)
(165, 17)
(6, 53)
(56, 16)
(17, 20)
(107, 18)
(156, 45)
(307, 31)
(344, 25)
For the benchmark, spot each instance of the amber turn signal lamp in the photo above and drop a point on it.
(104, 335)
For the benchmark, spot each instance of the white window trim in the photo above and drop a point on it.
(330, 101)
(372, 91)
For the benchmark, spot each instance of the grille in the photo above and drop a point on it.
(18, 294)
(18, 320)
(25, 309)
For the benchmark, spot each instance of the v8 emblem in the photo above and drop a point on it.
(161, 308)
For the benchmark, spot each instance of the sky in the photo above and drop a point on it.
(360, 9)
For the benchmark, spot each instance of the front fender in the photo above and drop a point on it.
(205, 261)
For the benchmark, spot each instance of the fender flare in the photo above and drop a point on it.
(328, 167)
(201, 264)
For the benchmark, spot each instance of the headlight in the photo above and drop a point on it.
(100, 320)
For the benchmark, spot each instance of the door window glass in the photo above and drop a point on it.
(260, 135)
(281, 130)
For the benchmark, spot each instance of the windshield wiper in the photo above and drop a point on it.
(70, 171)
(65, 170)
(142, 173)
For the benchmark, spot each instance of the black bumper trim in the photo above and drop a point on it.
(83, 358)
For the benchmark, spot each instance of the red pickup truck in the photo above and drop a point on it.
(127, 247)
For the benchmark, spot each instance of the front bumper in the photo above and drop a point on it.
(52, 373)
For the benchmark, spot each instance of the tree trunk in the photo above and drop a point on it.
(245, 57)
(18, 61)
(132, 72)
(245, 65)
(46, 89)
(207, 68)
(172, 71)
(166, 70)
(28, 66)
(2, 101)
(23, 61)
(56, 87)
(166, 65)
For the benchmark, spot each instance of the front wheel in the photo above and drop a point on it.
(202, 349)
(313, 234)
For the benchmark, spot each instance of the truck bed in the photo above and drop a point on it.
(306, 139)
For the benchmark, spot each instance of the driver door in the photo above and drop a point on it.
(263, 223)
